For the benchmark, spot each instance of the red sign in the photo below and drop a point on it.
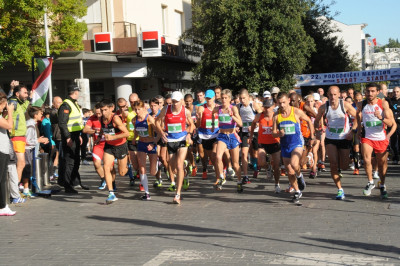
(103, 42)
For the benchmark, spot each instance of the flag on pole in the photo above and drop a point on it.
(374, 41)
(41, 86)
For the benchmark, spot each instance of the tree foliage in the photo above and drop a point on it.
(255, 44)
(22, 28)
(391, 44)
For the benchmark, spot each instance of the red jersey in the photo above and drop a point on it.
(95, 124)
(265, 132)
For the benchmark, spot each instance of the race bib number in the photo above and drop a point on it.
(289, 129)
(131, 126)
(109, 131)
(142, 132)
(175, 128)
(224, 118)
(373, 123)
(336, 130)
(267, 130)
(246, 124)
(209, 123)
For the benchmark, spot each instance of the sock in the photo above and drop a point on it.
(145, 183)
(111, 192)
(371, 182)
(26, 190)
(340, 189)
(173, 183)
(221, 176)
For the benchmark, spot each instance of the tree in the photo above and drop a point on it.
(391, 44)
(254, 44)
(22, 28)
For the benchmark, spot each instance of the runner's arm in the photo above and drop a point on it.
(309, 111)
(254, 124)
(236, 117)
(387, 114)
(159, 121)
(321, 111)
(351, 111)
(306, 118)
(120, 126)
(152, 123)
(199, 114)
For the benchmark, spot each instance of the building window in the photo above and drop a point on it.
(178, 24)
(396, 59)
(164, 14)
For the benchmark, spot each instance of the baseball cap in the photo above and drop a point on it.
(316, 96)
(266, 94)
(268, 103)
(72, 88)
(210, 94)
(255, 94)
(177, 96)
(275, 90)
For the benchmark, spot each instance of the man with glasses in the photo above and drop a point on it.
(134, 165)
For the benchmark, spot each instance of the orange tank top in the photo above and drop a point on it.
(265, 131)
(305, 130)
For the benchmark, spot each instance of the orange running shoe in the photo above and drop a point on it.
(194, 171)
(356, 172)
(204, 176)
(283, 172)
(141, 188)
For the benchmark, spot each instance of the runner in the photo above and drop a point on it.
(206, 134)
(375, 114)
(227, 139)
(336, 111)
(177, 136)
(356, 140)
(267, 144)
(147, 144)
(134, 164)
(286, 126)
(312, 100)
(115, 134)
(155, 111)
(93, 127)
(192, 149)
(247, 112)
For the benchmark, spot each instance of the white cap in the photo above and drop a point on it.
(266, 94)
(177, 96)
(275, 90)
(317, 97)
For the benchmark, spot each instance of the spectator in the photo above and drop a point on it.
(5, 124)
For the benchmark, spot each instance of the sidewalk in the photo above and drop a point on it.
(209, 227)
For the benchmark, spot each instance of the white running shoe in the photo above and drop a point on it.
(376, 175)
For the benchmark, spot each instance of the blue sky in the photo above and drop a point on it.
(382, 16)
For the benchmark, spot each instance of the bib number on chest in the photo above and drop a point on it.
(224, 118)
(336, 130)
(289, 129)
(174, 128)
(267, 130)
(109, 131)
(373, 123)
(142, 132)
(209, 123)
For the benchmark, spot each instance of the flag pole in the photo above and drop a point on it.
(46, 35)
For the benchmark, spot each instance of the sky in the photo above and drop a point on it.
(380, 15)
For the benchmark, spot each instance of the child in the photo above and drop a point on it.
(32, 140)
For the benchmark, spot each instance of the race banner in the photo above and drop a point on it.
(351, 77)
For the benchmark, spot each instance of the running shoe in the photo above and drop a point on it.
(190, 169)
(197, 158)
(340, 174)
(356, 172)
(186, 183)
(384, 194)
(245, 180)
(240, 187)
(6, 211)
(231, 172)
(111, 198)
(296, 197)
(157, 183)
(310, 159)
(340, 195)
(283, 172)
(102, 184)
(301, 183)
(352, 167)
(368, 189)
(146, 196)
(255, 173)
(141, 188)
(376, 175)
(84, 162)
(171, 187)
(312, 175)
(223, 181)
(204, 176)
(321, 167)
(277, 189)
(18, 200)
(219, 183)
(29, 194)
(194, 171)
(177, 199)
(290, 189)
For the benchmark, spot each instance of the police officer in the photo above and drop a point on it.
(71, 124)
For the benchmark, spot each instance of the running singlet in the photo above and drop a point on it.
(247, 113)
(205, 129)
(225, 120)
(265, 133)
(175, 125)
(305, 130)
(111, 130)
(374, 129)
(143, 128)
(95, 124)
(289, 124)
(337, 122)
(129, 123)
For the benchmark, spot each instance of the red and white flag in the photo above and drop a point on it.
(41, 86)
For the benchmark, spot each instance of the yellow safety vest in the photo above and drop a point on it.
(75, 121)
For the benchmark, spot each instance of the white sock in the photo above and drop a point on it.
(26, 190)
(145, 183)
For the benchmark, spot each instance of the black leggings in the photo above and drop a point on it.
(4, 159)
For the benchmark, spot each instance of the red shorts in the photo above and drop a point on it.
(98, 151)
(379, 146)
